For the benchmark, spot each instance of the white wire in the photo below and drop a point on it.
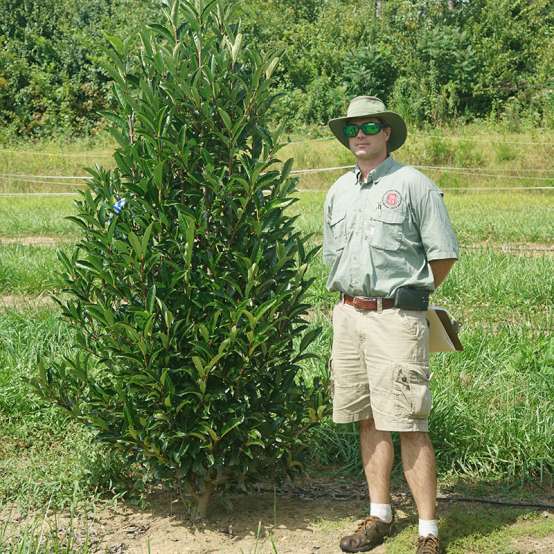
(320, 169)
(41, 182)
(487, 141)
(454, 169)
(58, 154)
(477, 169)
(6, 194)
(493, 175)
(492, 140)
(491, 189)
(17, 175)
(468, 171)
(465, 189)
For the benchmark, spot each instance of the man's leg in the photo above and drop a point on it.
(418, 461)
(377, 457)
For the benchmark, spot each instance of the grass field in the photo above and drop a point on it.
(493, 416)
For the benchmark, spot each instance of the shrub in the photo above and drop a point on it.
(370, 70)
(187, 294)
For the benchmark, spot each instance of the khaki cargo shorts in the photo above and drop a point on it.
(380, 368)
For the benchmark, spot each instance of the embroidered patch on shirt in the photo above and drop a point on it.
(392, 199)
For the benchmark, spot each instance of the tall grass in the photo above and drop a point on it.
(27, 269)
(43, 535)
(32, 215)
(45, 457)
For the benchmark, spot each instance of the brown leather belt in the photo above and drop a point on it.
(370, 304)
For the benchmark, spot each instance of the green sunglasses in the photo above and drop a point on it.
(368, 128)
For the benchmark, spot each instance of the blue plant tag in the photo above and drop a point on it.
(119, 205)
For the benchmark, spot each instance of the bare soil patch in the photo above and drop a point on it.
(24, 301)
(36, 240)
(519, 248)
(532, 545)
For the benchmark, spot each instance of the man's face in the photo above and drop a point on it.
(369, 147)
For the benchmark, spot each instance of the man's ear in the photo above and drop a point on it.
(388, 132)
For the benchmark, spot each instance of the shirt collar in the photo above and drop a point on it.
(376, 173)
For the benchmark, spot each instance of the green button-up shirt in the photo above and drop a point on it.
(381, 234)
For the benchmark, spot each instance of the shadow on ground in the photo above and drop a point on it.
(311, 519)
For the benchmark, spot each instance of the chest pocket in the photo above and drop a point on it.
(387, 232)
(338, 229)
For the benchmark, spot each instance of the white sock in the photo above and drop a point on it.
(428, 527)
(382, 511)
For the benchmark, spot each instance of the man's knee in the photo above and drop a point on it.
(414, 438)
(366, 425)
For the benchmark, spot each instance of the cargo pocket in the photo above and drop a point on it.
(411, 388)
(387, 230)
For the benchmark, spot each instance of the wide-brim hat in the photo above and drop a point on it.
(371, 106)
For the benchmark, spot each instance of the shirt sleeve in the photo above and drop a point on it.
(437, 236)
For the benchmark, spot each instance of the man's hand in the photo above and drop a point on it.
(440, 269)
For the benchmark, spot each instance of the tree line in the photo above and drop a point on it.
(435, 61)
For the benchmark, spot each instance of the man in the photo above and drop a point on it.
(389, 242)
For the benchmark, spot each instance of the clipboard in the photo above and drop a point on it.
(443, 332)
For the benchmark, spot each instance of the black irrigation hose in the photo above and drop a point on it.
(446, 498)
(443, 498)
(308, 494)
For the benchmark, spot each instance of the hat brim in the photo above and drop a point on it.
(398, 135)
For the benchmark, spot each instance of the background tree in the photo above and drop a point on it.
(438, 61)
(187, 288)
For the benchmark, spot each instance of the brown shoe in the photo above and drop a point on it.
(428, 545)
(369, 534)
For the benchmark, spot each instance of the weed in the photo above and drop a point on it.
(504, 152)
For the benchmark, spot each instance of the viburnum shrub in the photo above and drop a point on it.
(186, 293)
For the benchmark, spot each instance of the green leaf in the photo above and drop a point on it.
(117, 44)
(146, 238)
(161, 31)
(308, 338)
(136, 244)
(231, 425)
(235, 49)
(151, 298)
(271, 67)
(225, 117)
(198, 364)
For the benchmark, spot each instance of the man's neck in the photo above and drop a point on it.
(368, 165)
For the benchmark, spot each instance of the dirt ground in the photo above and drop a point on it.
(251, 525)
(24, 301)
(35, 240)
(301, 520)
(296, 522)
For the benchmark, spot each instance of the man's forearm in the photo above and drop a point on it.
(440, 269)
